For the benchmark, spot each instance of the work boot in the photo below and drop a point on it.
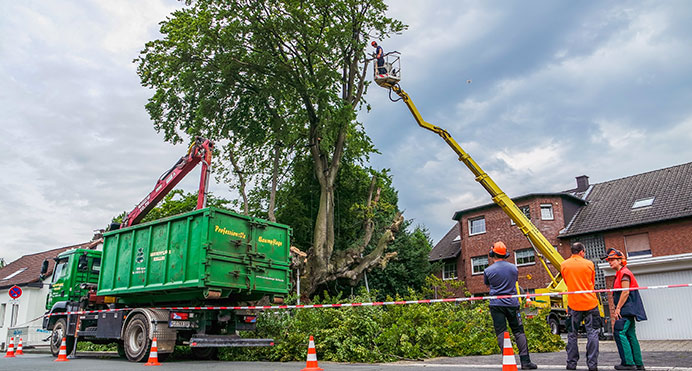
(526, 363)
(625, 367)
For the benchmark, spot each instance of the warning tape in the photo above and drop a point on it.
(376, 303)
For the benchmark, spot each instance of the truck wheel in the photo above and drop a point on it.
(136, 340)
(59, 331)
(554, 326)
(205, 352)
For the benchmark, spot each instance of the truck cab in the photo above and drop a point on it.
(76, 273)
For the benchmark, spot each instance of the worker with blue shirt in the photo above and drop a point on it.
(379, 55)
(501, 276)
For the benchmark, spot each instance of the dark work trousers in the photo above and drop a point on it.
(592, 323)
(380, 66)
(501, 316)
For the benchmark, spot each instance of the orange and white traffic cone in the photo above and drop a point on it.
(153, 354)
(62, 354)
(10, 349)
(509, 363)
(19, 348)
(312, 358)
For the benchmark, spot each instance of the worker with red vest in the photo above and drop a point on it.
(628, 310)
(580, 275)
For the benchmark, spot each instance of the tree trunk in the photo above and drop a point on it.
(275, 179)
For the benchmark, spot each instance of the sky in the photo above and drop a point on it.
(557, 89)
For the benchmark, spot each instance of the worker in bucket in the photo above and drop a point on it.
(379, 54)
(501, 276)
(580, 275)
(628, 310)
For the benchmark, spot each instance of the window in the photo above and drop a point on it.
(449, 271)
(637, 245)
(20, 270)
(476, 226)
(60, 270)
(526, 210)
(547, 212)
(643, 202)
(524, 257)
(15, 313)
(2, 314)
(478, 264)
(96, 265)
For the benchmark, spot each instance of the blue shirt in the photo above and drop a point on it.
(501, 277)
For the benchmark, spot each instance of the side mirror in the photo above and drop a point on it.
(44, 270)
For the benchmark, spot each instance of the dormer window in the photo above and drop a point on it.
(643, 202)
(14, 274)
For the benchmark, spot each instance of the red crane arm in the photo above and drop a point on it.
(199, 151)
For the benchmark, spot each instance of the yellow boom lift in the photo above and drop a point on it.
(544, 249)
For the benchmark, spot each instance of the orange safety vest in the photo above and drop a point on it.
(579, 274)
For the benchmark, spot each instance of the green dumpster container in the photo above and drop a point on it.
(207, 255)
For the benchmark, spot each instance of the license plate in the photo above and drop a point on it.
(180, 324)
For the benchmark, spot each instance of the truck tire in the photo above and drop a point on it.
(59, 331)
(136, 339)
(554, 325)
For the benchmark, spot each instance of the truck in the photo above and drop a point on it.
(181, 280)
(545, 252)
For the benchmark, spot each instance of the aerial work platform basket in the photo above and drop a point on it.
(389, 74)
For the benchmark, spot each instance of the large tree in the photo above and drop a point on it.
(275, 80)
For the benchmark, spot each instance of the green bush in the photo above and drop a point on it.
(385, 333)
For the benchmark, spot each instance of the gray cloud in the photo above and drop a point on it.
(559, 89)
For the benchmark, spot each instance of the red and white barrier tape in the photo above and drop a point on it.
(379, 303)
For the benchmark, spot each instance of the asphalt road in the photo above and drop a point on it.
(655, 361)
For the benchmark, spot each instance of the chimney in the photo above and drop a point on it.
(582, 183)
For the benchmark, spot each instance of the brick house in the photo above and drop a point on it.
(479, 227)
(648, 216)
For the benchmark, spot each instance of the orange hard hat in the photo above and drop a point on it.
(499, 250)
(615, 254)
(374, 43)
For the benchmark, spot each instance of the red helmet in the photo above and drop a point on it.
(374, 43)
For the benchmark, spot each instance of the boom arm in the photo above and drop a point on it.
(199, 151)
(539, 242)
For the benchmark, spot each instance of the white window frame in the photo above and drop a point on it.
(471, 233)
(526, 210)
(548, 207)
(643, 202)
(473, 270)
(444, 270)
(516, 257)
(3, 309)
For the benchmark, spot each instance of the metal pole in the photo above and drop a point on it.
(298, 284)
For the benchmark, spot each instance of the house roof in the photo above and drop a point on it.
(458, 214)
(448, 247)
(26, 270)
(610, 203)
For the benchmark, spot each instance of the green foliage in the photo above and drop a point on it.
(538, 333)
(85, 346)
(177, 202)
(385, 333)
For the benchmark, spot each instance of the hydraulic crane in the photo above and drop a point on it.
(199, 151)
(544, 249)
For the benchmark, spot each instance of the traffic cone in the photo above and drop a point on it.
(509, 363)
(62, 354)
(153, 354)
(10, 349)
(312, 358)
(19, 348)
